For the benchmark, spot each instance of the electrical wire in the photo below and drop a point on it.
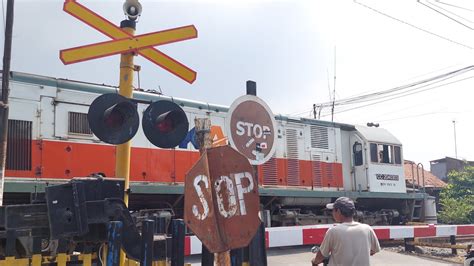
(460, 7)
(413, 26)
(3, 16)
(358, 107)
(443, 14)
(450, 12)
(408, 87)
(405, 94)
(397, 91)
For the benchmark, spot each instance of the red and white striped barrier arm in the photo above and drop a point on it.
(314, 234)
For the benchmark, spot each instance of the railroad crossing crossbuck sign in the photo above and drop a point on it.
(251, 128)
(222, 201)
(123, 42)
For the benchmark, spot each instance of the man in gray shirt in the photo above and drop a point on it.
(349, 243)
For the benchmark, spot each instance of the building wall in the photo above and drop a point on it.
(439, 169)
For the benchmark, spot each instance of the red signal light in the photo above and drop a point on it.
(118, 114)
(114, 119)
(165, 126)
(166, 123)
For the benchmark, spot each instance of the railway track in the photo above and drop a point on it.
(440, 248)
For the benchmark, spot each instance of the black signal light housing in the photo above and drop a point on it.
(113, 118)
(165, 124)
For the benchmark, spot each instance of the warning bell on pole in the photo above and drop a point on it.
(165, 124)
(113, 118)
(132, 9)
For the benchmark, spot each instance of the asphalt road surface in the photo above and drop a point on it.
(301, 256)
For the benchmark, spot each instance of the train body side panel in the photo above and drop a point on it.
(310, 154)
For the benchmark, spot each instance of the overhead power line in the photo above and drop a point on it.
(460, 7)
(389, 94)
(413, 26)
(397, 97)
(445, 15)
(400, 89)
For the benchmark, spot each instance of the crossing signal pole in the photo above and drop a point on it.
(122, 161)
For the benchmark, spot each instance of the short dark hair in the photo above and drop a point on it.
(345, 212)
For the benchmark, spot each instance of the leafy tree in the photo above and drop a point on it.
(457, 198)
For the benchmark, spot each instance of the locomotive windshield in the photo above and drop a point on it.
(385, 153)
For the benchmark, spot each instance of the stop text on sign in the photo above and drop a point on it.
(226, 191)
(251, 128)
(221, 195)
(255, 131)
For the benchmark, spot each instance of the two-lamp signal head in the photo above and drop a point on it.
(114, 119)
(132, 9)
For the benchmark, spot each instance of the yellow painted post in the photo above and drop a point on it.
(122, 160)
(9, 261)
(12, 261)
(61, 259)
(129, 262)
(103, 256)
(245, 264)
(87, 259)
(36, 260)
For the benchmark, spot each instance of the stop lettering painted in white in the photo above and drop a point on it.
(197, 185)
(252, 130)
(235, 193)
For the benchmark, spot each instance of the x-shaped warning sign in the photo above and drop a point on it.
(123, 42)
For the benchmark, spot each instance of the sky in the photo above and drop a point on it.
(298, 52)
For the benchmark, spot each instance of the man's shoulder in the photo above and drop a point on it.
(348, 226)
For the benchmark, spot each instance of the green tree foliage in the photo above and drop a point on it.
(457, 198)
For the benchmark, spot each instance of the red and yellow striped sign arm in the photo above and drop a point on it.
(87, 52)
(169, 64)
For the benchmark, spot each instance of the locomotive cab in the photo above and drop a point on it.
(377, 163)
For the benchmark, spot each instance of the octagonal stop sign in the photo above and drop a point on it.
(221, 200)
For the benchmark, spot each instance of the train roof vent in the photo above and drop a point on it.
(319, 137)
(78, 124)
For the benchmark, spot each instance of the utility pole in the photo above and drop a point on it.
(334, 88)
(4, 97)
(455, 142)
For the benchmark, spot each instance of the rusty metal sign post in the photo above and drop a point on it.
(222, 202)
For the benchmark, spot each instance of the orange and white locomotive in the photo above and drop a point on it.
(315, 161)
